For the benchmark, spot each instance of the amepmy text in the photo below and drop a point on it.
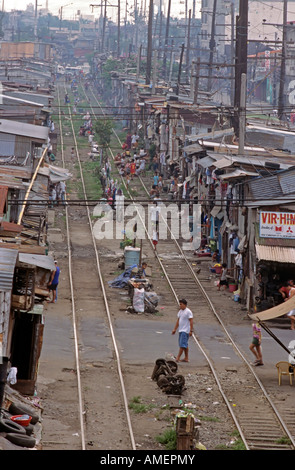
(149, 459)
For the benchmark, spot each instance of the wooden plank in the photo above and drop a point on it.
(21, 301)
(32, 249)
(38, 341)
(25, 387)
(185, 432)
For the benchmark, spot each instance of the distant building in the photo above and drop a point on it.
(18, 50)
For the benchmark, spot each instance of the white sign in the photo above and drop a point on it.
(277, 224)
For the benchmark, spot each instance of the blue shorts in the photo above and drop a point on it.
(183, 340)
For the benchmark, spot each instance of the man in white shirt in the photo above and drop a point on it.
(185, 327)
(134, 140)
(155, 214)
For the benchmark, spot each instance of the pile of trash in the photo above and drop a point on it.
(143, 299)
(121, 281)
(20, 422)
(167, 378)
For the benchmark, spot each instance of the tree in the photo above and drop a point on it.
(103, 129)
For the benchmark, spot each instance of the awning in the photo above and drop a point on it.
(274, 312)
(224, 162)
(238, 173)
(206, 162)
(58, 174)
(38, 309)
(194, 148)
(42, 261)
(280, 254)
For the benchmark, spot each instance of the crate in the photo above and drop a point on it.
(185, 428)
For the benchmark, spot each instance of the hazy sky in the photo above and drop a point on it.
(70, 7)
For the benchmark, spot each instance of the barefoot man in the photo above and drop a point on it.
(184, 324)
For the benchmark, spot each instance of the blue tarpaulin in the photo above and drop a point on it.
(121, 281)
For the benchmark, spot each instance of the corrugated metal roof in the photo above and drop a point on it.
(193, 148)
(287, 181)
(273, 187)
(11, 182)
(206, 162)
(24, 172)
(255, 161)
(264, 188)
(18, 100)
(280, 254)
(42, 261)
(24, 129)
(8, 259)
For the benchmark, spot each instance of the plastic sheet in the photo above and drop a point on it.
(138, 300)
(122, 280)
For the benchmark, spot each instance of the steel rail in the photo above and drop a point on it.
(74, 318)
(177, 300)
(235, 419)
(116, 349)
(234, 344)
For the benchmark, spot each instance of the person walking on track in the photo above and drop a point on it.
(255, 346)
(53, 283)
(185, 327)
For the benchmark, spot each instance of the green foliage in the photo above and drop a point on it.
(152, 151)
(138, 407)
(109, 67)
(103, 129)
(168, 439)
(284, 440)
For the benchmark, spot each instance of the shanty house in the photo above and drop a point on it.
(18, 138)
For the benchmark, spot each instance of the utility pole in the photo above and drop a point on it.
(171, 66)
(232, 49)
(242, 115)
(241, 59)
(275, 76)
(179, 69)
(155, 65)
(149, 45)
(104, 14)
(36, 19)
(212, 45)
(166, 39)
(194, 89)
(104, 25)
(281, 100)
(138, 63)
(119, 32)
(187, 60)
(197, 80)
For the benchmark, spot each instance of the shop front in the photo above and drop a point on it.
(275, 257)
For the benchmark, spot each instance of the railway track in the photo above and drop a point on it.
(260, 424)
(97, 368)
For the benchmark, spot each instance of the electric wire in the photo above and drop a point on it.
(230, 338)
